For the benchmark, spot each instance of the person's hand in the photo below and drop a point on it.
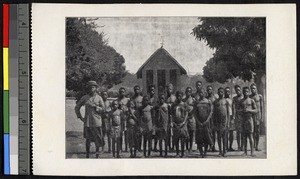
(98, 109)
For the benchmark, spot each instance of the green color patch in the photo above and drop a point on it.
(6, 111)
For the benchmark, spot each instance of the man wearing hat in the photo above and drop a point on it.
(94, 106)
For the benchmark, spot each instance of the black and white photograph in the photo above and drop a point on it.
(165, 87)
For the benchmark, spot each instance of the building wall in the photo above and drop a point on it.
(160, 62)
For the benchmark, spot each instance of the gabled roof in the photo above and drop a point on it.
(164, 52)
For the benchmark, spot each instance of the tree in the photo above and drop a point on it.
(240, 48)
(88, 56)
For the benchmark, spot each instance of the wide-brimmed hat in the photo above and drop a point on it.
(92, 83)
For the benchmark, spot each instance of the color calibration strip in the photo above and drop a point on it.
(13, 88)
(6, 88)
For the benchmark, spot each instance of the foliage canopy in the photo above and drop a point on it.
(88, 56)
(240, 47)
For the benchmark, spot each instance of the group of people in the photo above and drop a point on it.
(171, 121)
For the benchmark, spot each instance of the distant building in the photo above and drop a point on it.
(160, 69)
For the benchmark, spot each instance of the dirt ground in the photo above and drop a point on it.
(75, 143)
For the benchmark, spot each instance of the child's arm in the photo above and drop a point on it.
(80, 103)
(132, 113)
(261, 100)
(233, 108)
(254, 108)
(110, 118)
(210, 113)
(228, 112)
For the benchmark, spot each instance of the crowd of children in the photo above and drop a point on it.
(172, 120)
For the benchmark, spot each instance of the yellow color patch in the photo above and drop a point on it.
(5, 69)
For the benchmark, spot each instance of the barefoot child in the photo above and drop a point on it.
(221, 113)
(211, 96)
(137, 98)
(191, 124)
(180, 113)
(248, 108)
(115, 123)
(258, 117)
(231, 126)
(122, 100)
(106, 123)
(237, 114)
(145, 113)
(203, 114)
(132, 128)
(162, 124)
(171, 98)
(153, 103)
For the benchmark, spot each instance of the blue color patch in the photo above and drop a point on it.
(6, 155)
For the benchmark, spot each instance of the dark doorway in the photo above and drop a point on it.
(149, 79)
(161, 80)
(173, 78)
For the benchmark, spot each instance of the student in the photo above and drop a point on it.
(153, 103)
(132, 128)
(145, 113)
(231, 126)
(122, 100)
(92, 130)
(115, 117)
(137, 98)
(258, 117)
(221, 114)
(162, 124)
(211, 96)
(171, 98)
(203, 114)
(248, 108)
(237, 115)
(105, 119)
(180, 113)
(191, 124)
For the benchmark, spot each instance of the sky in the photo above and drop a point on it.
(137, 38)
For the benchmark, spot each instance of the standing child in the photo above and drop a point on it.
(122, 100)
(258, 117)
(248, 108)
(221, 113)
(203, 114)
(171, 98)
(211, 96)
(162, 124)
(137, 98)
(132, 128)
(231, 126)
(237, 115)
(180, 113)
(191, 124)
(145, 113)
(105, 118)
(115, 123)
(153, 103)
